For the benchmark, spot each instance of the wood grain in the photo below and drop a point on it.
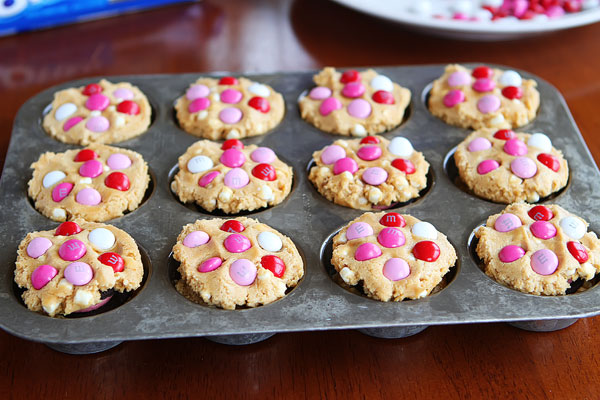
(465, 361)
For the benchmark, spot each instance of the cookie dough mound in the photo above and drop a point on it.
(231, 177)
(483, 98)
(506, 167)
(74, 267)
(97, 183)
(101, 112)
(395, 256)
(229, 108)
(354, 103)
(538, 249)
(236, 262)
(369, 172)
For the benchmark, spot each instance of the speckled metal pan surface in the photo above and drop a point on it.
(318, 303)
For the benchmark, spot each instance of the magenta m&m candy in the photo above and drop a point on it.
(71, 122)
(210, 265)
(511, 253)
(91, 169)
(369, 153)
(483, 85)
(515, 147)
(236, 243)
(42, 275)
(97, 102)
(543, 230)
(345, 164)
(353, 90)
(72, 250)
(231, 96)
(487, 166)
(329, 105)
(207, 178)
(199, 104)
(233, 158)
(61, 191)
(391, 237)
(367, 251)
(453, 97)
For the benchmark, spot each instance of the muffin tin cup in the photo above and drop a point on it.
(398, 332)
(318, 303)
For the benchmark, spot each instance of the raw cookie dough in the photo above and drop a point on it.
(229, 108)
(97, 183)
(354, 103)
(483, 97)
(236, 262)
(231, 177)
(369, 172)
(70, 269)
(101, 112)
(506, 167)
(395, 256)
(538, 249)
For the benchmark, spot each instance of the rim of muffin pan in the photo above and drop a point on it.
(174, 277)
(326, 252)
(172, 115)
(195, 207)
(48, 108)
(118, 299)
(423, 193)
(409, 112)
(148, 194)
(577, 287)
(451, 171)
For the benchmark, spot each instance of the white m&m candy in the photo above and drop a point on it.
(65, 111)
(540, 141)
(424, 230)
(401, 147)
(573, 227)
(199, 164)
(511, 78)
(269, 241)
(259, 90)
(53, 177)
(102, 238)
(382, 82)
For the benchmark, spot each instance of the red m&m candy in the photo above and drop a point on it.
(369, 140)
(118, 181)
(259, 103)
(273, 264)
(67, 229)
(403, 165)
(228, 80)
(92, 88)
(232, 226)
(128, 107)
(392, 219)
(266, 172)
(549, 161)
(426, 251)
(504, 134)
(482, 72)
(351, 75)
(578, 251)
(112, 260)
(540, 213)
(383, 97)
(232, 144)
(85, 155)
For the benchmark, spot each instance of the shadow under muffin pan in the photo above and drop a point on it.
(452, 171)
(318, 303)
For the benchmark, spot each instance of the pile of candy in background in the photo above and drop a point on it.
(499, 10)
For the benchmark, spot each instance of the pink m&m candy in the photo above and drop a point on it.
(329, 105)
(359, 230)
(199, 104)
(38, 247)
(97, 101)
(510, 253)
(391, 237)
(195, 239)
(91, 169)
(79, 273)
(243, 272)
(123, 94)
(353, 90)
(459, 78)
(515, 147)
(369, 153)
(210, 265)
(207, 178)
(236, 243)
(231, 96)
(236, 178)
(71, 122)
(263, 155)
(320, 93)
(453, 98)
(367, 251)
(488, 103)
(544, 262)
(396, 269)
(118, 161)
(61, 191)
(523, 167)
(543, 230)
(479, 144)
(487, 166)
(332, 153)
(88, 197)
(42, 275)
(507, 222)
(359, 108)
(375, 176)
(97, 124)
(345, 164)
(197, 91)
(230, 115)
(72, 250)
(233, 158)
(484, 85)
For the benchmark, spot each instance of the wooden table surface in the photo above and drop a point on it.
(465, 361)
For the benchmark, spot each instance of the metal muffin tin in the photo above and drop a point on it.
(317, 303)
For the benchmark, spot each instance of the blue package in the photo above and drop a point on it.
(25, 15)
